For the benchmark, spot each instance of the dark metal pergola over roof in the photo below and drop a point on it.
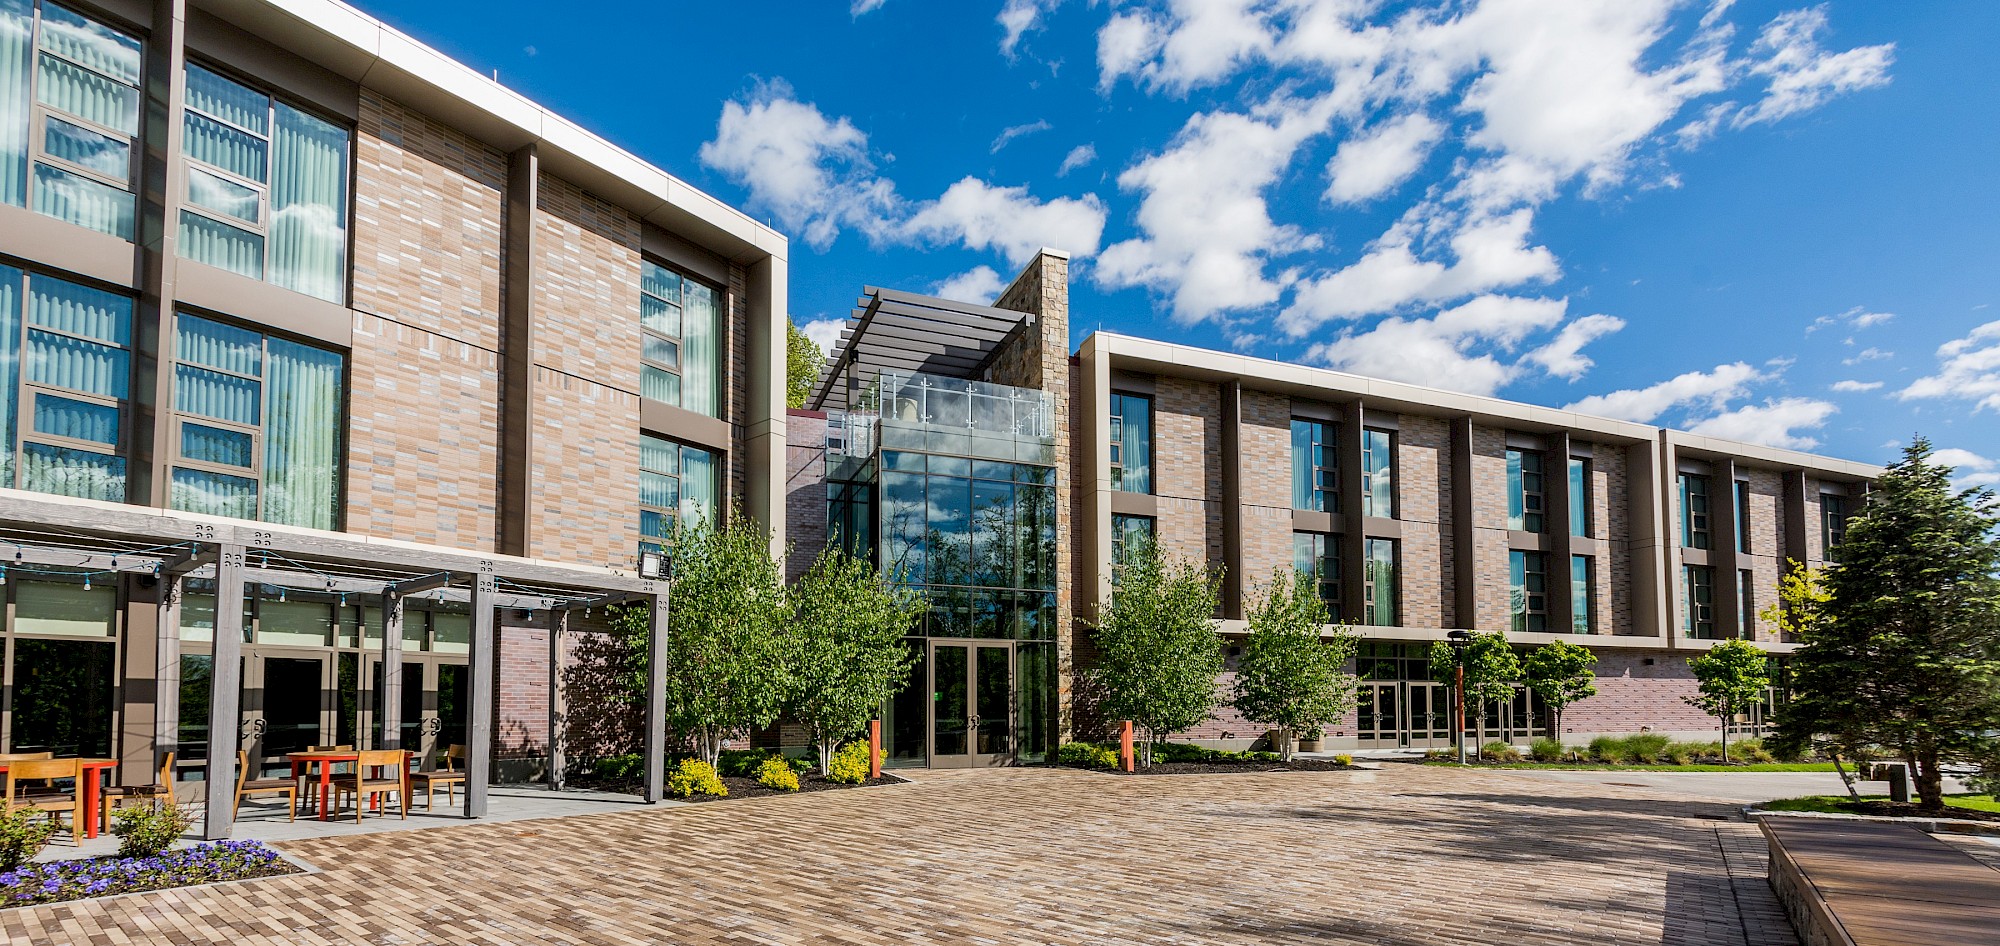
(90, 537)
(906, 332)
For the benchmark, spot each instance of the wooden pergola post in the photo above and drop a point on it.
(479, 698)
(558, 705)
(167, 667)
(225, 682)
(391, 691)
(656, 702)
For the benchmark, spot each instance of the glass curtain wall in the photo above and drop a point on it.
(1380, 585)
(258, 423)
(1525, 497)
(682, 322)
(1315, 467)
(1378, 473)
(69, 149)
(1318, 554)
(1132, 443)
(65, 372)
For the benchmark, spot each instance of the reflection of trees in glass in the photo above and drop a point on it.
(197, 671)
(62, 697)
(348, 685)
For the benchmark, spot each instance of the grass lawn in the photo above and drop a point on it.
(1839, 804)
(1662, 767)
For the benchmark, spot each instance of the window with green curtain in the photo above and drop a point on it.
(1132, 443)
(70, 380)
(1315, 467)
(1317, 554)
(260, 425)
(246, 149)
(701, 354)
(677, 483)
(1579, 497)
(1378, 473)
(1581, 602)
(1379, 583)
(13, 285)
(1527, 590)
(682, 355)
(77, 163)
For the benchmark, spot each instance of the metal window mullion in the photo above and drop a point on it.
(39, 152)
(261, 227)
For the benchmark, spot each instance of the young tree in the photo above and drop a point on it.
(802, 364)
(1559, 673)
(1906, 655)
(1158, 653)
(726, 614)
(1490, 671)
(1798, 614)
(1289, 676)
(847, 652)
(1731, 676)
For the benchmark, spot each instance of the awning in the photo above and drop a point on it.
(909, 333)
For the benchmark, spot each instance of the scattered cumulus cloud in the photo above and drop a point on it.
(1440, 351)
(1802, 74)
(1705, 403)
(859, 7)
(824, 332)
(1855, 387)
(1494, 254)
(979, 285)
(1017, 18)
(530, 51)
(1866, 355)
(1968, 369)
(1855, 318)
(1563, 357)
(979, 216)
(1078, 157)
(1012, 132)
(1970, 470)
(1778, 423)
(1365, 168)
(1711, 389)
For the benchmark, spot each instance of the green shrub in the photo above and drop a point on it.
(145, 832)
(1750, 750)
(747, 763)
(695, 777)
(23, 835)
(1344, 759)
(1680, 753)
(1546, 750)
(1497, 751)
(1608, 749)
(612, 767)
(1647, 747)
(777, 773)
(849, 765)
(1087, 755)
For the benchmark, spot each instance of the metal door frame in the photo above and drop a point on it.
(971, 758)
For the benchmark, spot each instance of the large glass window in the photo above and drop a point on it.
(1379, 585)
(62, 642)
(1832, 523)
(1746, 603)
(1315, 466)
(1579, 497)
(1132, 443)
(1525, 494)
(1316, 557)
(683, 340)
(257, 425)
(1698, 584)
(1130, 535)
(65, 375)
(1582, 603)
(1694, 511)
(1742, 498)
(265, 187)
(978, 536)
(677, 483)
(1378, 473)
(69, 151)
(1528, 590)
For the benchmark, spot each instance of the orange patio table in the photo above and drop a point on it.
(91, 787)
(326, 761)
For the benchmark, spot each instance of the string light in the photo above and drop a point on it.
(86, 582)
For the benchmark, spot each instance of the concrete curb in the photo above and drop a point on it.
(1927, 825)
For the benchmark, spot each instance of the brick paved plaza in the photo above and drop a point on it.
(1405, 855)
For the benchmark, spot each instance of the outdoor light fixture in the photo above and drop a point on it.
(649, 564)
(1458, 639)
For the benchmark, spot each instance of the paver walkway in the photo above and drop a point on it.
(1398, 857)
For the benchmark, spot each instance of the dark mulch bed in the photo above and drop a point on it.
(1893, 809)
(746, 787)
(1224, 768)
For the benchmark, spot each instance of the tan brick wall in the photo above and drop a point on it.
(586, 305)
(1632, 694)
(1187, 467)
(1423, 454)
(585, 497)
(422, 444)
(1766, 558)
(1266, 483)
(805, 489)
(1611, 497)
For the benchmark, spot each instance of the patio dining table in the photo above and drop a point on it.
(90, 784)
(325, 760)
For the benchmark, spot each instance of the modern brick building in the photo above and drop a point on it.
(290, 279)
(1422, 510)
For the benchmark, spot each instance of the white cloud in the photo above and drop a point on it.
(1015, 131)
(1491, 254)
(1855, 318)
(1774, 423)
(814, 175)
(1207, 230)
(1368, 167)
(1007, 219)
(1200, 42)
(858, 7)
(1018, 17)
(810, 172)
(1079, 156)
(1714, 389)
(979, 285)
(1438, 352)
(1855, 387)
(824, 332)
(1866, 355)
(1968, 369)
(1803, 75)
(1969, 469)
(1126, 41)
(1563, 357)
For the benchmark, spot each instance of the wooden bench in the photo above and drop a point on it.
(1871, 883)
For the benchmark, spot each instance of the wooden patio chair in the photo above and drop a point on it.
(245, 785)
(450, 776)
(44, 797)
(162, 790)
(397, 761)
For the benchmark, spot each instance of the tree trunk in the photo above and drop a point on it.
(1479, 723)
(1930, 781)
(1725, 735)
(1285, 745)
(825, 756)
(1853, 795)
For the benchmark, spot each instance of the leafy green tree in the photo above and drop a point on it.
(1491, 668)
(1731, 676)
(1158, 653)
(1906, 655)
(726, 643)
(802, 363)
(1801, 604)
(1289, 677)
(847, 652)
(1559, 673)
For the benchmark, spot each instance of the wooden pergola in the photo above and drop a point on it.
(173, 547)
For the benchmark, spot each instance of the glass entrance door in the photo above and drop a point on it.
(284, 707)
(972, 720)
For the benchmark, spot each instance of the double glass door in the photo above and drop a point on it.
(972, 719)
(1404, 714)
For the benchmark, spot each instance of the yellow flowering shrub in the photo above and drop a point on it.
(777, 773)
(695, 777)
(849, 765)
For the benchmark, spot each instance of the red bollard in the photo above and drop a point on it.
(874, 748)
(1125, 745)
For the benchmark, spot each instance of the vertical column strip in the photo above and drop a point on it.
(517, 357)
(225, 682)
(1555, 487)
(391, 694)
(1464, 552)
(149, 431)
(656, 701)
(479, 698)
(1234, 582)
(1354, 529)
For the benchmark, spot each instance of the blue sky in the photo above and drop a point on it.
(1772, 221)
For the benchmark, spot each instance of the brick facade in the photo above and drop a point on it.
(805, 489)
(1265, 468)
(1423, 459)
(1187, 468)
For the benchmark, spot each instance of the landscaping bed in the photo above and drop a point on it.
(1174, 758)
(215, 862)
(1221, 768)
(1645, 752)
(746, 787)
(1965, 807)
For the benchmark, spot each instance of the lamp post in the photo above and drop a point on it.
(1458, 640)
